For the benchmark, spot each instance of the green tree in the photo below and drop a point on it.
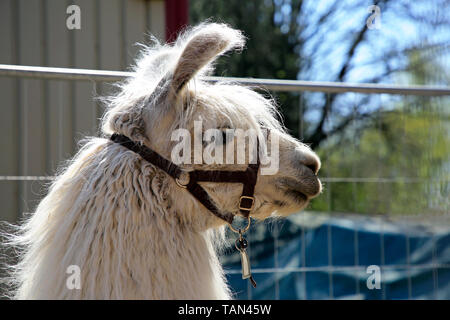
(397, 160)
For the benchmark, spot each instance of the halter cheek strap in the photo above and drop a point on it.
(189, 179)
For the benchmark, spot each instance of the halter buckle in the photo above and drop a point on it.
(241, 207)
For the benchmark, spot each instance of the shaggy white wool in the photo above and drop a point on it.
(131, 230)
(109, 213)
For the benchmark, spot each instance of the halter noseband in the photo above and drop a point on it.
(189, 179)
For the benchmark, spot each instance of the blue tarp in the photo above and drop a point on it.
(414, 260)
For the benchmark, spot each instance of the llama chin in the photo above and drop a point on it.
(130, 231)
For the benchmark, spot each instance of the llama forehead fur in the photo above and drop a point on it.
(132, 231)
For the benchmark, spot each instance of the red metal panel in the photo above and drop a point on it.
(176, 17)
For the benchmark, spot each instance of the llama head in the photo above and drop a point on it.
(168, 93)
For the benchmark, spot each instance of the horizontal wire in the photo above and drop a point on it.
(270, 84)
(394, 180)
(27, 178)
(340, 268)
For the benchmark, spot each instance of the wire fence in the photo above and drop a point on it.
(348, 185)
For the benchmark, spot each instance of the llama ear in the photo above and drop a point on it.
(206, 43)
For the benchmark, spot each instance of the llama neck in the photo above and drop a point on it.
(159, 261)
(176, 264)
(122, 230)
(147, 263)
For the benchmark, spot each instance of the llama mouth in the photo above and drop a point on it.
(296, 195)
(301, 190)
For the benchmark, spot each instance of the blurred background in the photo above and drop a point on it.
(385, 157)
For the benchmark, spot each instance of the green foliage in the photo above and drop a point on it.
(402, 158)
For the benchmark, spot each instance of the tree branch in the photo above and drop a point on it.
(319, 134)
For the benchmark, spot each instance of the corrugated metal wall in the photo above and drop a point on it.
(42, 120)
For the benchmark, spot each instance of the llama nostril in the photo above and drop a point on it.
(312, 164)
(307, 158)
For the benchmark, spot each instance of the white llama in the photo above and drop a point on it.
(128, 226)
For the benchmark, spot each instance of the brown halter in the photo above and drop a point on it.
(247, 178)
(246, 201)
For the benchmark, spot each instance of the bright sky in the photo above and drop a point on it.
(396, 32)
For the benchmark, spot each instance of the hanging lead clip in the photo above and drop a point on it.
(241, 244)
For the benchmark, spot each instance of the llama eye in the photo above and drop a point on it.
(224, 137)
(263, 125)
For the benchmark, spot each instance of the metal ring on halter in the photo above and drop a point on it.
(241, 231)
(186, 179)
(179, 184)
